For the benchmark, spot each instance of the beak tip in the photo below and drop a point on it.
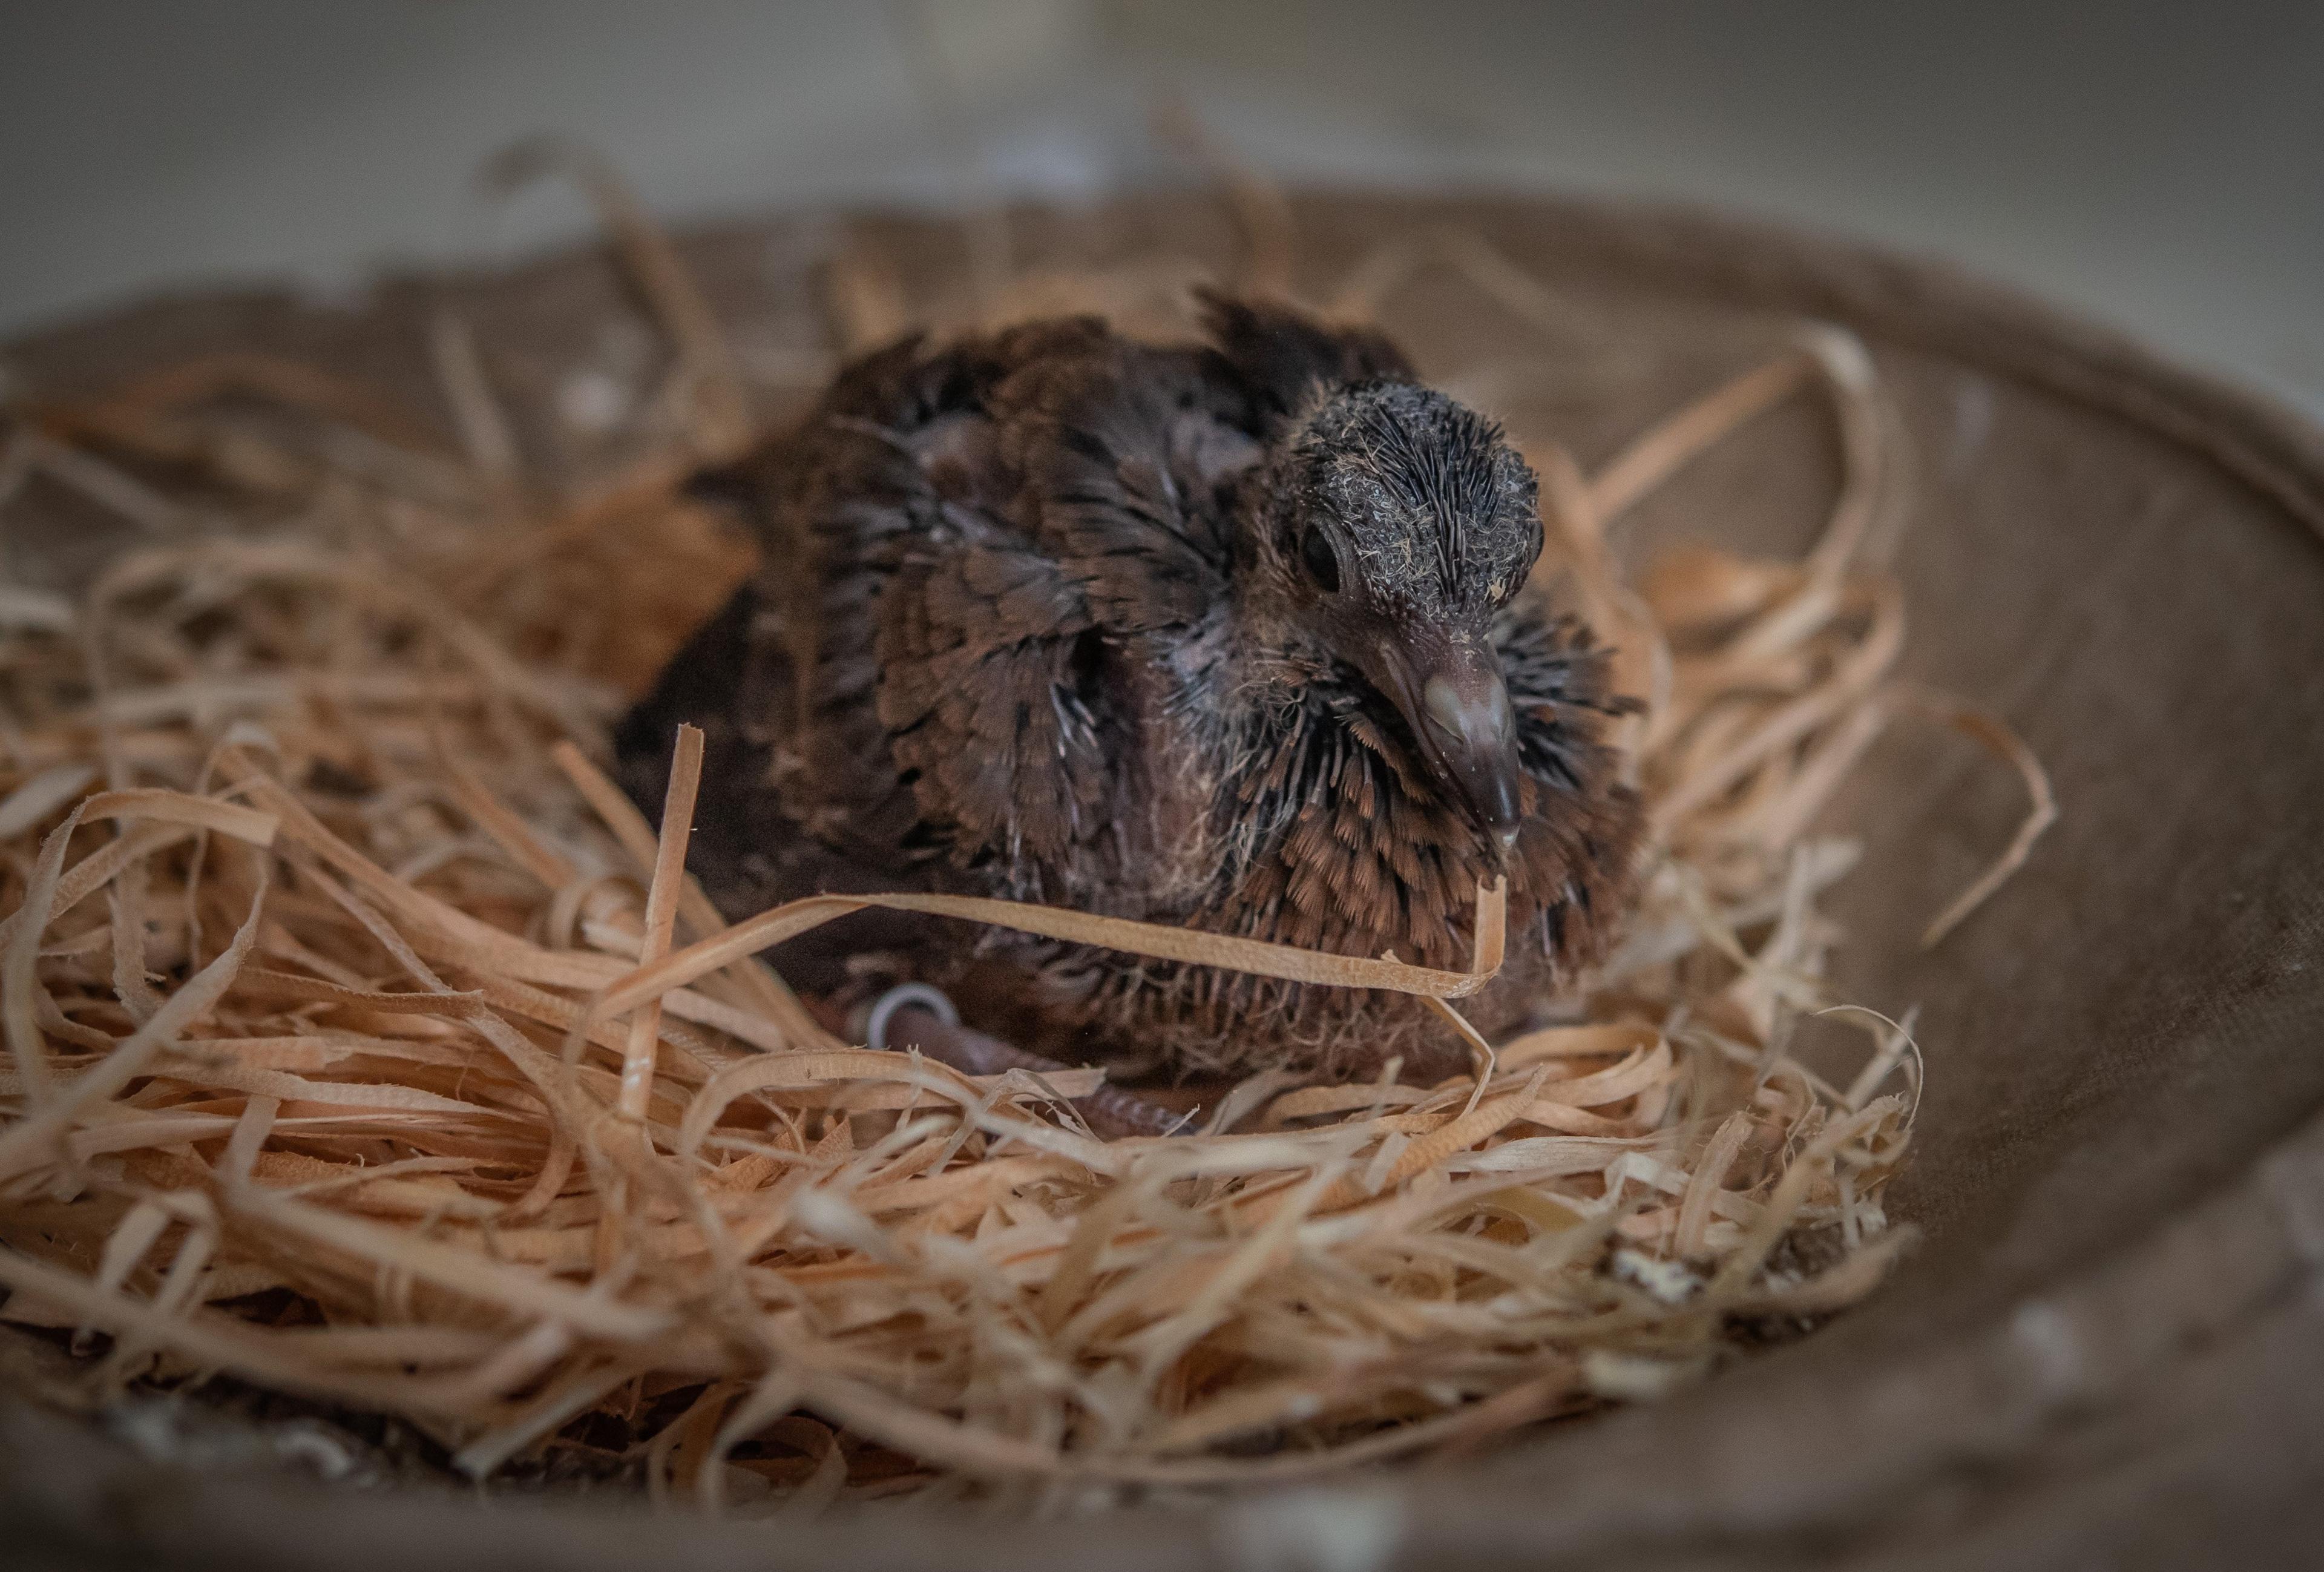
(1502, 816)
(1468, 728)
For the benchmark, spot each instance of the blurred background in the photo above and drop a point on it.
(2153, 164)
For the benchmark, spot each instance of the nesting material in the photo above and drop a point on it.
(365, 1044)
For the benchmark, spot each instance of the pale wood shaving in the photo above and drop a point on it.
(479, 1076)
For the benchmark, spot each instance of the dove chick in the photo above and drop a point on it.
(1229, 635)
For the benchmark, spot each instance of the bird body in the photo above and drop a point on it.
(1226, 636)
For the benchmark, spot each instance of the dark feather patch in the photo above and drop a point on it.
(1281, 358)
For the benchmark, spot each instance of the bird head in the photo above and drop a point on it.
(1395, 524)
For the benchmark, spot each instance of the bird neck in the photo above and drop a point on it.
(1268, 705)
(1320, 835)
(1267, 675)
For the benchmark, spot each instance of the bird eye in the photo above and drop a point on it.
(1321, 562)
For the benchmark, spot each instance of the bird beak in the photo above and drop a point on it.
(1452, 697)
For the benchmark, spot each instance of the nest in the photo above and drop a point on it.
(366, 1045)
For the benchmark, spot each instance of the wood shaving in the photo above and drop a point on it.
(365, 1044)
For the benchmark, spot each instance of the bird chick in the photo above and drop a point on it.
(1226, 635)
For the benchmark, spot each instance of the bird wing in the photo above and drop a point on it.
(984, 695)
(1068, 519)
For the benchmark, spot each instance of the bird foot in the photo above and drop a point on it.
(916, 1015)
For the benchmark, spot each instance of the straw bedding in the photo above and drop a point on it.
(365, 1044)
